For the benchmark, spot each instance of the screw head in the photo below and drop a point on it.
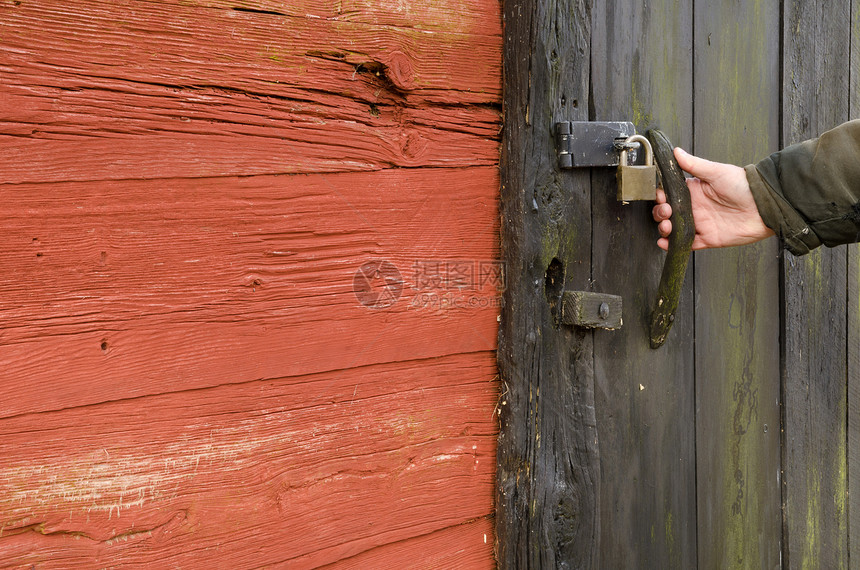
(603, 311)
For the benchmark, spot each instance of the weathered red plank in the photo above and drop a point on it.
(461, 16)
(305, 470)
(152, 131)
(469, 546)
(166, 89)
(143, 287)
(174, 43)
(218, 389)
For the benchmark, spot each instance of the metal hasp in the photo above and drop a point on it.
(680, 240)
(583, 144)
(591, 310)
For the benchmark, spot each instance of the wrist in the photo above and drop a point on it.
(779, 216)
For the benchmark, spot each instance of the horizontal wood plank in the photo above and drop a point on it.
(305, 471)
(460, 16)
(468, 545)
(177, 43)
(91, 131)
(163, 90)
(125, 289)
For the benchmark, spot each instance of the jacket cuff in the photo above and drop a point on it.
(779, 215)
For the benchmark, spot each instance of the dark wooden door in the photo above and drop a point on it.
(733, 446)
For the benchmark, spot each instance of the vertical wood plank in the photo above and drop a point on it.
(548, 476)
(644, 398)
(816, 39)
(854, 327)
(854, 404)
(737, 298)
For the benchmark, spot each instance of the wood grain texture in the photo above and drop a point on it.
(854, 325)
(139, 288)
(455, 16)
(853, 402)
(548, 474)
(737, 298)
(815, 407)
(817, 42)
(188, 192)
(299, 471)
(465, 546)
(180, 43)
(645, 399)
(220, 92)
(591, 310)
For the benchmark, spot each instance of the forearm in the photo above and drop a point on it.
(809, 193)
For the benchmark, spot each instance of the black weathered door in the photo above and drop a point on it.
(733, 445)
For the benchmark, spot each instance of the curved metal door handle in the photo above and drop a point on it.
(680, 240)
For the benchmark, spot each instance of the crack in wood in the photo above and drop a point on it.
(41, 529)
(259, 11)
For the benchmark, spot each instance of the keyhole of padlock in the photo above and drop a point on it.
(637, 182)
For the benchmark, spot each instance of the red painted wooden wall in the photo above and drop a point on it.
(195, 370)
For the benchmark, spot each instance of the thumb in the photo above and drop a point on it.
(698, 167)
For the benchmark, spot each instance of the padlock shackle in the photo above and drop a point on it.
(645, 143)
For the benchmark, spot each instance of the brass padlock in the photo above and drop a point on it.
(637, 182)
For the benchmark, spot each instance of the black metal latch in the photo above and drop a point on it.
(583, 144)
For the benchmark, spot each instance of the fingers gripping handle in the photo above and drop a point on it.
(680, 240)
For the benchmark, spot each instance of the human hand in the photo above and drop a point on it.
(724, 210)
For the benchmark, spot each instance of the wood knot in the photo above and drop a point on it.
(399, 70)
(413, 145)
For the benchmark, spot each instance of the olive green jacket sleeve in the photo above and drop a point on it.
(809, 193)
